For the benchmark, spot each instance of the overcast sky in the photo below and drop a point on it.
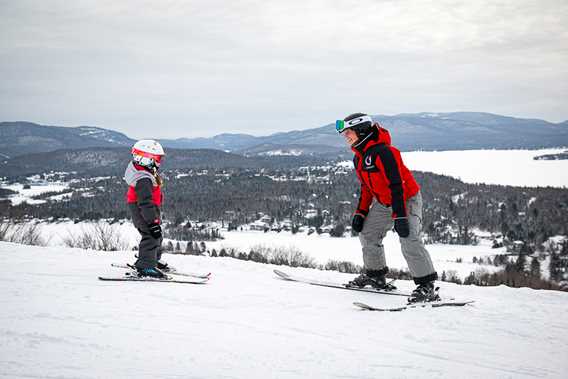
(198, 68)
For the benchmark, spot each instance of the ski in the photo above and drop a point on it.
(131, 277)
(172, 271)
(433, 304)
(293, 278)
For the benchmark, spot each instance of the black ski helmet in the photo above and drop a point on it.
(360, 123)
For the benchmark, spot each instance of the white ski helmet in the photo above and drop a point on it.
(147, 153)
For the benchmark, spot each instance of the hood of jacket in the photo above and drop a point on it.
(133, 174)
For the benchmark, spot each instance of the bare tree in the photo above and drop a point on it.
(24, 233)
(100, 236)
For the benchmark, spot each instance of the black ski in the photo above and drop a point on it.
(131, 277)
(172, 271)
(433, 304)
(293, 278)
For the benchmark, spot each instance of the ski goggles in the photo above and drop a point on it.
(146, 158)
(341, 125)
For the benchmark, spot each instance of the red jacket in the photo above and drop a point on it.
(144, 194)
(382, 174)
(132, 180)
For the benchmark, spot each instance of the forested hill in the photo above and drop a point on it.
(112, 161)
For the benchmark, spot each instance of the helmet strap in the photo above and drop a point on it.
(362, 142)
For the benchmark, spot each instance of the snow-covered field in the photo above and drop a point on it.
(504, 167)
(59, 321)
(324, 248)
(36, 188)
(321, 248)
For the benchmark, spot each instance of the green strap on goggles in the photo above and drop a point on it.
(341, 125)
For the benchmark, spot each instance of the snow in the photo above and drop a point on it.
(280, 152)
(59, 321)
(62, 197)
(457, 198)
(324, 248)
(345, 164)
(320, 247)
(36, 188)
(504, 167)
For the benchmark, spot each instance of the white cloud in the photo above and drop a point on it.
(151, 68)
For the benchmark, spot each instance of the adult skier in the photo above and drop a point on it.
(144, 198)
(389, 194)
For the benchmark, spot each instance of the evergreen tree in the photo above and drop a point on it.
(521, 263)
(535, 268)
(554, 267)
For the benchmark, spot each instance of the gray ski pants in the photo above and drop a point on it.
(378, 222)
(150, 248)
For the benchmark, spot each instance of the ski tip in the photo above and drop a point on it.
(366, 307)
(281, 274)
(362, 306)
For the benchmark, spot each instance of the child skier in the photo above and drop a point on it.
(389, 194)
(144, 198)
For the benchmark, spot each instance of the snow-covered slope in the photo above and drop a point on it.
(58, 320)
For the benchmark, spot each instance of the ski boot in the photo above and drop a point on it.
(163, 266)
(151, 272)
(424, 293)
(373, 278)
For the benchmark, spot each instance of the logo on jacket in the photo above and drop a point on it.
(369, 162)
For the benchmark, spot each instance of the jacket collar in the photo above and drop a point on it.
(378, 136)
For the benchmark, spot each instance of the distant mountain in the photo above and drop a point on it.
(103, 135)
(412, 131)
(17, 138)
(225, 141)
(472, 130)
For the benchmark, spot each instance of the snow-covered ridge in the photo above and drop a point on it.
(58, 320)
(103, 135)
(281, 152)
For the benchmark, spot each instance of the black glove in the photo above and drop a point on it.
(401, 226)
(357, 222)
(155, 230)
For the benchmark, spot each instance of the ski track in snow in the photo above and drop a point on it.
(59, 321)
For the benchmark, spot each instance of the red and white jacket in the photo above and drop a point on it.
(144, 192)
